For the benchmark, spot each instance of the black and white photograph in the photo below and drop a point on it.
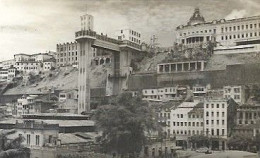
(129, 78)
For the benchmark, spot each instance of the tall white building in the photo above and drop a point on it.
(87, 22)
(219, 116)
(185, 122)
(231, 36)
(130, 35)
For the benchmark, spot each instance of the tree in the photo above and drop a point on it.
(240, 142)
(13, 148)
(124, 123)
(199, 141)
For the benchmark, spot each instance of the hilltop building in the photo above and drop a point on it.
(231, 36)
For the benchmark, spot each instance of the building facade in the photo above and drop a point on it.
(186, 121)
(219, 119)
(231, 36)
(128, 34)
(67, 54)
(237, 93)
(37, 134)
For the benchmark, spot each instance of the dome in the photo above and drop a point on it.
(196, 18)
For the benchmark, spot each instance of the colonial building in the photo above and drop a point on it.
(37, 134)
(160, 94)
(33, 63)
(231, 36)
(219, 119)
(7, 74)
(186, 121)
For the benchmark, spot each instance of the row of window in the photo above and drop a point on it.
(234, 97)
(205, 31)
(217, 132)
(64, 48)
(244, 35)
(215, 105)
(28, 139)
(26, 63)
(69, 53)
(217, 114)
(193, 124)
(217, 122)
(72, 59)
(189, 132)
(237, 28)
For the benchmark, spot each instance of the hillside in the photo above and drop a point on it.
(62, 78)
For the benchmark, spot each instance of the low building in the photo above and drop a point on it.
(37, 134)
(160, 94)
(185, 66)
(7, 63)
(68, 94)
(49, 64)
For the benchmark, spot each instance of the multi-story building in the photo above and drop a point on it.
(37, 134)
(247, 119)
(49, 64)
(7, 63)
(235, 92)
(160, 94)
(7, 74)
(219, 119)
(24, 103)
(67, 54)
(87, 22)
(33, 63)
(33, 104)
(231, 36)
(128, 34)
(186, 121)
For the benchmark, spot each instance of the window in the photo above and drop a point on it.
(217, 114)
(212, 105)
(28, 140)
(223, 114)
(37, 139)
(207, 113)
(217, 132)
(207, 105)
(212, 114)
(217, 105)
(212, 122)
(223, 132)
(223, 122)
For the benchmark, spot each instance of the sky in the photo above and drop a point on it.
(36, 26)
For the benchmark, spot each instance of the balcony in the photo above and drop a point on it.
(85, 34)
